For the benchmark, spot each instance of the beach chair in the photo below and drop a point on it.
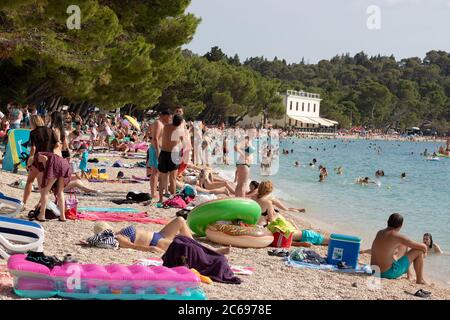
(9, 206)
(19, 236)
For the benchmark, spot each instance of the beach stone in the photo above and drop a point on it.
(354, 285)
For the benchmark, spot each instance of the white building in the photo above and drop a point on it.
(302, 111)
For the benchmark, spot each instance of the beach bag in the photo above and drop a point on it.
(281, 241)
(105, 240)
(175, 202)
(72, 206)
(51, 212)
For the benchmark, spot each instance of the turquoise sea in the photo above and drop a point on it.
(423, 198)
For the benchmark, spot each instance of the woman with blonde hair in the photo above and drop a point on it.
(270, 205)
(42, 139)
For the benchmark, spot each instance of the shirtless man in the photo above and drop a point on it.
(384, 248)
(169, 156)
(155, 133)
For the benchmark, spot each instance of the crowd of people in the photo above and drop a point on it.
(177, 151)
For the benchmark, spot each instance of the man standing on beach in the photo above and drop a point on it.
(385, 245)
(156, 129)
(169, 156)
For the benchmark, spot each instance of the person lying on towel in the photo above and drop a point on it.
(143, 239)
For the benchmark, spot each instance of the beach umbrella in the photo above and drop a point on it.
(133, 122)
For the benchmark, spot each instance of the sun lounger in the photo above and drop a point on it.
(9, 206)
(19, 236)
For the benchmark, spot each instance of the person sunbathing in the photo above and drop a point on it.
(205, 181)
(385, 246)
(139, 238)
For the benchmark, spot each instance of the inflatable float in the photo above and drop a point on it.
(443, 155)
(228, 209)
(17, 150)
(238, 236)
(111, 282)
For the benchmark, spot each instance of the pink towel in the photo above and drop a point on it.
(120, 217)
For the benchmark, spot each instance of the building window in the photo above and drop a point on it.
(296, 107)
(314, 108)
(290, 120)
(303, 106)
(295, 122)
(290, 106)
(308, 106)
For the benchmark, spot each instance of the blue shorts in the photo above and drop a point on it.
(397, 269)
(152, 158)
(312, 237)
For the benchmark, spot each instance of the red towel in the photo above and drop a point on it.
(120, 217)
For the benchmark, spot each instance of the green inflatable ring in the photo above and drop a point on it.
(227, 209)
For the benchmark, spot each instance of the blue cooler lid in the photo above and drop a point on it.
(343, 237)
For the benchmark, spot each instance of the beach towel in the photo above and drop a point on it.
(99, 209)
(365, 269)
(120, 217)
(281, 225)
(184, 251)
(156, 262)
(115, 181)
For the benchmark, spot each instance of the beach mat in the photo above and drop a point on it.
(156, 262)
(140, 178)
(141, 217)
(114, 181)
(330, 267)
(99, 209)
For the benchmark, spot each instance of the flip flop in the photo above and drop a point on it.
(422, 293)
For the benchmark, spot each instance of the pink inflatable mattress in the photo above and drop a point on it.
(91, 281)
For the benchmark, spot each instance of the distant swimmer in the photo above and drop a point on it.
(403, 176)
(297, 164)
(379, 173)
(432, 247)
(364, 181)
(323, 171)
(339, 170)
(321, 178)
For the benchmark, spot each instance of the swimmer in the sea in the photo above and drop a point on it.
(297, 164)
(432, 247)
(364, 181)
(403, 176)
(379, 173)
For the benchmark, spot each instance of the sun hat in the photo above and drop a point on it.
(101, 226)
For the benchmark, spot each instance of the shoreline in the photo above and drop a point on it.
(271, 279)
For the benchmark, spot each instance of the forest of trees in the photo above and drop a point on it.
(129, 53)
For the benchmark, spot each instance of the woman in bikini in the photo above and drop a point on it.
(140, 238)
(243, 166)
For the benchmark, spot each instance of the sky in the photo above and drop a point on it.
(320, 29)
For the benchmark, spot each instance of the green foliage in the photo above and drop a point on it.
(374, 91)
(127, 52)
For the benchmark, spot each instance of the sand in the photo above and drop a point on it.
(271, 279)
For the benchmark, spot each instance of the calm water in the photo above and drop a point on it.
(423, 198)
